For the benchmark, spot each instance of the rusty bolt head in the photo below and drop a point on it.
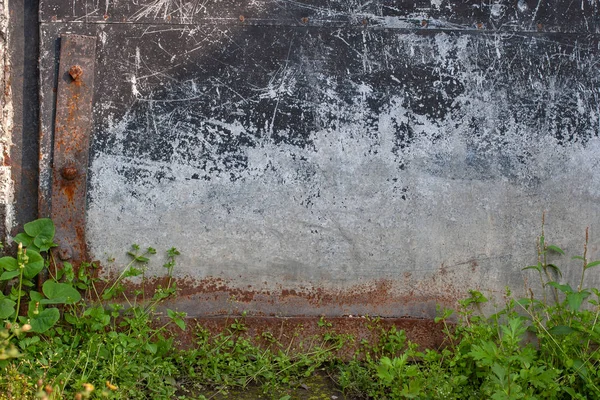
(76, 71)
(304, 20)
(69, 172)
(65, 253)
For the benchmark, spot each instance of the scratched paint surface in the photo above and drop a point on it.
(385, 167)
(530, 15)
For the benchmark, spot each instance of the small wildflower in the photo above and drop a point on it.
(26, 328)
(88, 387)
(111, 386)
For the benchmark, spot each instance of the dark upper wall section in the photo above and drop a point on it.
(516, 15)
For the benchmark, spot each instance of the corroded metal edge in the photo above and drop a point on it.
(71, 145)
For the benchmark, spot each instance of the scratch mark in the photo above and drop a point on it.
(285, 66)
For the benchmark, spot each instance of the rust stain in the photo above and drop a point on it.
(76, 72)
(6, 161)
(217, 296)
(69, 191)
(71, 142)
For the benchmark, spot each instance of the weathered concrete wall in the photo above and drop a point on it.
(6, 183)
(337, 157)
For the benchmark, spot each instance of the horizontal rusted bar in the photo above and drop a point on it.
(71, 145)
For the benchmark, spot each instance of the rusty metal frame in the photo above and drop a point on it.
(74, 118)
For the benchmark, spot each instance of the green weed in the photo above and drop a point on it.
(84, 337)
(533, 348)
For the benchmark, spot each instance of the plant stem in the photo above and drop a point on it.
(21, 257)
(585, 247)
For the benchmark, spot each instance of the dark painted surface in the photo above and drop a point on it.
(239, 76)
(24, 50)
(529, 15)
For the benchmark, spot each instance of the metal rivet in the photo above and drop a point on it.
(65, 253)
(75, 71)
(69, 172)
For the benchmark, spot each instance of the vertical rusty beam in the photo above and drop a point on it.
(71, 145)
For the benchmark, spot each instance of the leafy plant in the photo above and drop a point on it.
(65, 341)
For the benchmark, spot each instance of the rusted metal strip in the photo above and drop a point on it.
(71, 145)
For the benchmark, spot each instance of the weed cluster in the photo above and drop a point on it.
(531, 349)
(58, 344)
(232, 360)
(82, 337)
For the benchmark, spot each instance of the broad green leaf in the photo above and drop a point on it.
(555, 269)
(180, 323)
(575, 299)
(60, 293)
(562, 288)
(499, 371)
(58, 300)
(43, 227)
(34, 265)
(561, 330)
(24, 239)
(43, 243)
(70, 318)
(68, 271)
(592, 264)
(577, 258)
(6, 275)
(580, 367)
(138, 258)
(9, 263)
(28, 342)
(524, 301)
(45, 320)
(151, 347)
(555, 249)
(35, 296)
(7, 308)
